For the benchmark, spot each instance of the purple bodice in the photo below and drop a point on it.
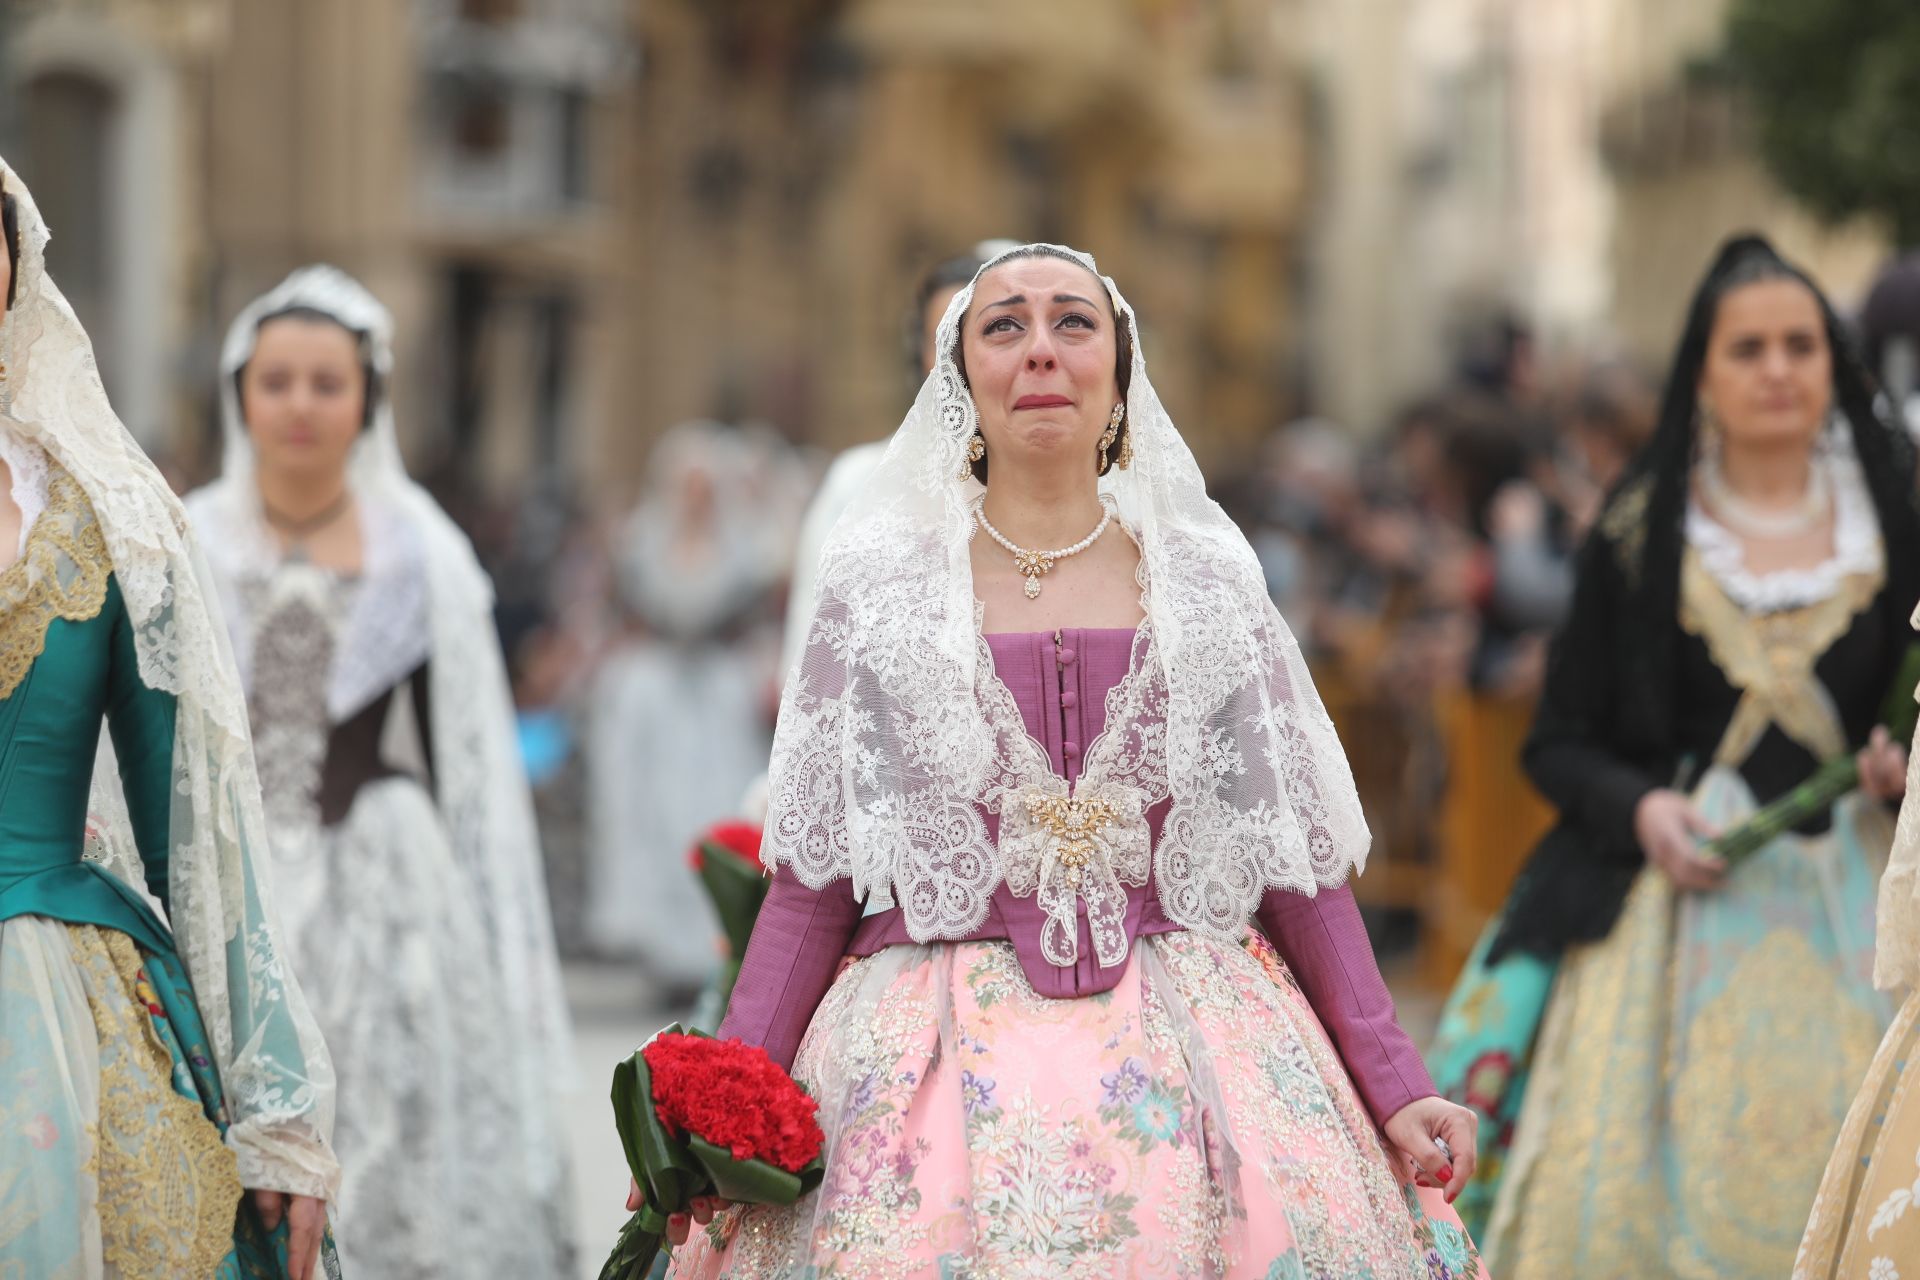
(1060, 682)
(1061, 687)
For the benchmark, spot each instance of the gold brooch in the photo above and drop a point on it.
(1076, 827)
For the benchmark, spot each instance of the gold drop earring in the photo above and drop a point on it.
(976, 450)
(1107, 437)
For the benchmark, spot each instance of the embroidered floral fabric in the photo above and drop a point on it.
(1866, 1218)
(1196, 1122)
(62, 573)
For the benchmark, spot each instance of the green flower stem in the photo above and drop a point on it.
(1828, 783)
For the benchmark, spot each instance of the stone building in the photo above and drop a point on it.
(1565, 162)
(449, 152)
(595, 218)
(1685, 173)
(802, 163)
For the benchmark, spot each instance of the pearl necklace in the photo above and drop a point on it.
(1036, 564)
(1744, 518)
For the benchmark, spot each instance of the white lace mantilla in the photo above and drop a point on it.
(1856, 548)
(896, 737)
(422, 596)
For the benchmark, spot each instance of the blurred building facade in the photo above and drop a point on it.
(1462, 185)
(1685, 174)
(188, 154)
(804, 162)
(595, 218)
(1569, 164)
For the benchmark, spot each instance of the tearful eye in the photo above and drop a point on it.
(995, 326)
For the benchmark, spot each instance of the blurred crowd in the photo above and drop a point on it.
(1428, 567)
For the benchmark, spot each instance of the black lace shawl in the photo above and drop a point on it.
(1605, 732)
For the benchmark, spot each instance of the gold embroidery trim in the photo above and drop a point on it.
(169, 1188)
(1624, 523)
(1770, 657)
(1737, 1168)
(62, 574)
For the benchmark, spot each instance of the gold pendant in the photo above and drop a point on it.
(1034, 564)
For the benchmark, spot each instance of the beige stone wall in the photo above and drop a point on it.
(768, 182)
(1107, 125)
(1686, 175)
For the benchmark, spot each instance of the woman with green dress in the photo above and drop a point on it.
(166, 1101)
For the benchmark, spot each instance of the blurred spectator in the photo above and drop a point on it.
(680, 715)
(1423, 576)
(1890, 335)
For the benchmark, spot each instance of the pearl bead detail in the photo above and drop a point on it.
(1036, 564)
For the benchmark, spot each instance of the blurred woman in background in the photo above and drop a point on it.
(1739, 615)
(401, 824)
(679, 723)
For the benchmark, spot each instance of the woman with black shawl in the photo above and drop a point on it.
(1740, 613)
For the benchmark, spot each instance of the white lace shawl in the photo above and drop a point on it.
(277, 1077)
(895, 733)
(425, 596)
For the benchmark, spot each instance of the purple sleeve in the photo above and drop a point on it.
(1324, 943)
(796, 947)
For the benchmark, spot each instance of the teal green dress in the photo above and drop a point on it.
(111, 1109)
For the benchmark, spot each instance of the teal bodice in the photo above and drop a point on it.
(61, 598)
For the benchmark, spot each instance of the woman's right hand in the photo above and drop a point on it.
(306, 1227)
(679, 1225)
(1670, 831)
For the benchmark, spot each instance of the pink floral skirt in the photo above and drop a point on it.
(1193, 1122)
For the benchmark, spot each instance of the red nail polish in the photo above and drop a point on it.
(1445, 1174)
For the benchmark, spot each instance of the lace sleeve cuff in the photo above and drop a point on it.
(285, 1156)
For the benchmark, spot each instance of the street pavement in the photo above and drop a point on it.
(614, 1009)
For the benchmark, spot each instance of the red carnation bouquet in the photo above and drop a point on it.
(727, 859)
(705, 1117)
